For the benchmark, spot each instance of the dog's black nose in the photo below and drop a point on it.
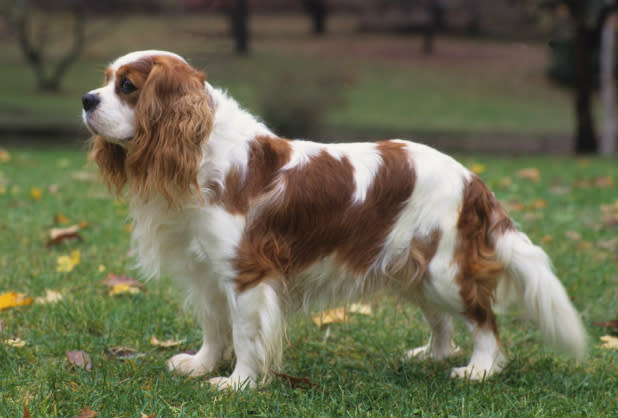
(90, 101)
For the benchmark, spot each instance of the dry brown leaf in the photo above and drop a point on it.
(296, 382)
(538, 204)
(80, 359)
(165, 344)
(531, 173)
(122, 353)
(26, 412)
(610, 214)
(87, 413)
(58, 235)
(330, 316)
(612, 323)
(573, 235)
(13, 299)
(604, 182)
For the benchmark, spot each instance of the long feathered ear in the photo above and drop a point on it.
(111, 161)
(173, 118)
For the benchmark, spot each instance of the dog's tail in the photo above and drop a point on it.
(530, 283)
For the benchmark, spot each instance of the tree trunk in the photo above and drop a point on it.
(239, 27)
(608, 87)
(318, 11)
(585, 135)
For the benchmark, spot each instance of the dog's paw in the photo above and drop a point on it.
(188, 364)
(232, 382)
(472, 373)
(428, 352)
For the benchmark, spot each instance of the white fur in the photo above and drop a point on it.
(197, 245)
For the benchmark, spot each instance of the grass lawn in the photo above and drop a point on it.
(357, 367)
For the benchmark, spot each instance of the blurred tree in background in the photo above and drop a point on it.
(575, 59)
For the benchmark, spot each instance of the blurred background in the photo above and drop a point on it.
(508, 76)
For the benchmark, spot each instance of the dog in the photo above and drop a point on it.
(257, 227)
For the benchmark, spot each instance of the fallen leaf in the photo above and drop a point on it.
(477, 168)
(122, 289)
(101, 268)
(514, 206)
(547, 238)
(538, 204)
(122, 353)
(51, 296)
(573, 235)
(84, 176)
(128, 228)
(113, 279)
(604, 182)
(610, 342)
(360, 308)
(612, 323)
(559, 190)
(15, 342)
(58, 235)
(66, 263)
(87, 413)
(505, 182)
(61, 219)
(330, 316)
(13, 299)
(52, 188)
(79, 359)
(143, 415)
(36, 193)
(5, 157)
(165, 344)
(610, 214)
(26, 412)
(530, 174)
(296, 382)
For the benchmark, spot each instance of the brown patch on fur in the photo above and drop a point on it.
(481, 219)
(266, 156)
(315, 217)
(173, 118)
(422, 251)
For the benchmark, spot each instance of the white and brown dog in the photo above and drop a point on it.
(257, 227)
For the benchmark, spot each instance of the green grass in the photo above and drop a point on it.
(358, 370)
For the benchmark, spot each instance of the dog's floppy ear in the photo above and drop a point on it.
(173, 118)
(111, 161)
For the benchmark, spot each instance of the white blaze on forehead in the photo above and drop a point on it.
(137, 55)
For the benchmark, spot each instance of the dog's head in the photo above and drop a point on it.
(149, 121)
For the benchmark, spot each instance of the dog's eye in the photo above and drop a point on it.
(126, 86)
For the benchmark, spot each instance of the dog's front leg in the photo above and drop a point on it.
(213, 315)
(257, 324)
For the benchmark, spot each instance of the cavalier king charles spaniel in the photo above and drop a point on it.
(256, 226)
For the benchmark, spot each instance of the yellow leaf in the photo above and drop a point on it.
(61, 219)
(36, 193)
(165, 344)
(51, 296)
(13, 299)
(477, 168)
(538, 204)
(330, 316)
(547, 238)
(66, 263)
(15, 342)
(121, 289)
(83, 224)
(529, 173)
(5, 157)
(128, 228)
(609, 342)
(101, 268)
